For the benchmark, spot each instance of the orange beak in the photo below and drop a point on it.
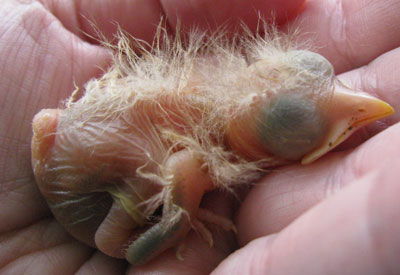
(348, 112)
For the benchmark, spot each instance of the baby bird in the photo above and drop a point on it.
(125, 167)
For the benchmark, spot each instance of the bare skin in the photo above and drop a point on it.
(39, 68)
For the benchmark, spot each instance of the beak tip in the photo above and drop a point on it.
(390, 110)
(309, 158)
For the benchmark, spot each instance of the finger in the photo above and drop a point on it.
(138, 17)
(141, 17)
(285, 194)
(350, 33)
(16, 244)
(210, 13)
(47, 245)
(64, 259)
(41, 61)
(198, 257)
(354, 232)
(102, 264)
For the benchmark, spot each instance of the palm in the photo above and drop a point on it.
(39, 69)
(41, 62)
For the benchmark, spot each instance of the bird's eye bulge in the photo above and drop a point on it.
(291, 125)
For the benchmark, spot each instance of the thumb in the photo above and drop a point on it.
(356, 230)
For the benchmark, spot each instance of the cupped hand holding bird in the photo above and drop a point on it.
(361, 180)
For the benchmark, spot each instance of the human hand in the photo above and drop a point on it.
(65, 64)
(44, 53)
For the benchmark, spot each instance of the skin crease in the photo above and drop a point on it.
(343, 210)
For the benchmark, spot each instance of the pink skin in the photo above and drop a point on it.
(43, 54)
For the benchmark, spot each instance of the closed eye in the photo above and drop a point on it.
(291, 125)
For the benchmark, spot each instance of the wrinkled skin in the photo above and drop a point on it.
(39, 69)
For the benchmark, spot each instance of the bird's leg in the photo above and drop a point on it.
(188, 183)
(208, 216)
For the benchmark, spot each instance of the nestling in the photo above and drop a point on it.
(164, 126)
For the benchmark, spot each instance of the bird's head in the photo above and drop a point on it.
(305, 111)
